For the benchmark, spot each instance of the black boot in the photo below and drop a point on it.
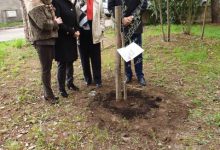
(72, 87)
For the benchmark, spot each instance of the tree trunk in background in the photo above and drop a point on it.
(161, 19)
(25, 20)
(168, 20)
(215, 7)
(204, 20)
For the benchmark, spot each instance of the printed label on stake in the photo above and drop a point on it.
(130, 51)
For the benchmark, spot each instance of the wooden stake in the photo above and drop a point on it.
(124, 73)
(118, 15)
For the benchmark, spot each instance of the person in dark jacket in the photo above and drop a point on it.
(44, 30)
(66, 44)
(132, 27)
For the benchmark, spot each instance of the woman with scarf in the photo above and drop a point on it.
(43, 31)
(91, 22)
(66, 45)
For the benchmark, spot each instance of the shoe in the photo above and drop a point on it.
(63, 93)
(127, 79)
(52, 100)
(98, 85)
(142, 81)
(72, 87)
(88, 83)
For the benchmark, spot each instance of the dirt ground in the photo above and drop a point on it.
(157, 116)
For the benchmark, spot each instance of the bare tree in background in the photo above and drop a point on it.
(168, 20)
(204, 19)
(25, 20)
(215, 7)
(161, 19)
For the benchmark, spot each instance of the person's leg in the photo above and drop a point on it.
(128, 71)
(138, 61)
(69, 75)
(96, 63)
(46, 57)
(61, 76)
(84, 55)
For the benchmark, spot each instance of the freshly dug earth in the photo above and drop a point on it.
(149, 112)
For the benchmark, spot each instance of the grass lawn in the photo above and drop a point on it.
(183, 79)
(11, 24)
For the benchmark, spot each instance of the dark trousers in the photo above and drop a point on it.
(138, 61)
(46, 55)
(65, 72)
(90, 52)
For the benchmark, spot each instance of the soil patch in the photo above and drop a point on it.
(150, 112)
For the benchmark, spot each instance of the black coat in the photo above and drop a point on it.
(66, 47)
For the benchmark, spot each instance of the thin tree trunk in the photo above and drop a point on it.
(215, 7)
(161, 20)
(204, 20)
(25, 20)
(168, 20)
(189, 18)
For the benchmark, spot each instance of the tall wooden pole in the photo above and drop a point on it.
(118, 15)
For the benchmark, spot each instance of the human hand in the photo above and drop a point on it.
(127, 20)
(77, 34)
(59, 20)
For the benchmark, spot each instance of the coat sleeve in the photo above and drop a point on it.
(37, 15)
(102, 18)
(111, 6)
(140, 8)
(62, 26)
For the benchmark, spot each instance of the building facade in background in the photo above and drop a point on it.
(10, 10)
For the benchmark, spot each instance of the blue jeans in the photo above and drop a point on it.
(138, 61)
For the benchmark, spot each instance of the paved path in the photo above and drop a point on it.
(11, 34)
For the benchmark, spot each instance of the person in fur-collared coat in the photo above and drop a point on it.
(66, 44)
(43, 31)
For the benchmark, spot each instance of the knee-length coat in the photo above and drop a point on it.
(66, 45)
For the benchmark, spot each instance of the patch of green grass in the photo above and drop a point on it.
(11, 24)
(110, 33)
(13, 145)
(25, 95)
(197, 56)
(211, 31)
(99, 135)
(214, 119)
(196, 113)
(197, 102)
(18, 43)
(3, 53)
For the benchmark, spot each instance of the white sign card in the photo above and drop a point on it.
(11, 13)
(130, 51)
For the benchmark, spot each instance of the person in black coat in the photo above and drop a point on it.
(132, 28)
(66, 44)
